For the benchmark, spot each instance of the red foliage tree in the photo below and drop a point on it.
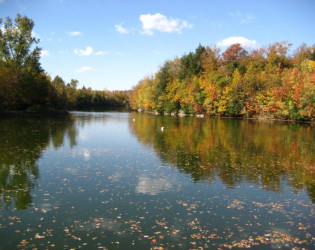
(234, 53)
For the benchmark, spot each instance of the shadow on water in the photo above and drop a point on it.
(23, 141)
(269, 154)
(22, 144)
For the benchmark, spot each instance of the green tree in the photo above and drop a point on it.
(191, 64)
(60, 95)
(71, 97)
(16, 42)
(24, 85)
(163, 78)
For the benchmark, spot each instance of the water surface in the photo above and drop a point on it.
(116, 180)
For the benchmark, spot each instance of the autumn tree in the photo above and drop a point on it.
(232, 57)
(262, 83)
(302, 53)
(234, 53)
(277, 54)
(210, 59)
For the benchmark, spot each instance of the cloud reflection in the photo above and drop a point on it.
(154, 186)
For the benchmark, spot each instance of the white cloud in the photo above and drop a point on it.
(246, 43)
(87, 52)
(120, 29)
(75, 33)
(84, 69)
(162, 23)
(44, 53)
(101, 53)
(244, 18)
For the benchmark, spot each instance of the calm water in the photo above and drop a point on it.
(115, 180)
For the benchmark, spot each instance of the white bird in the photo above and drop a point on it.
(162, 129)
(134, 119)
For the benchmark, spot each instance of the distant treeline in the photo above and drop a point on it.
(24, 85)
(264, 82)
(69, 97)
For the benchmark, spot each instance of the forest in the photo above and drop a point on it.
(269, 82)
(266, 83)
(26, 87)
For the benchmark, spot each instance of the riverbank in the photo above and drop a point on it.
(240, 117)
(22, 114)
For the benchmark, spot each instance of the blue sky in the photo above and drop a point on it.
(112, 44)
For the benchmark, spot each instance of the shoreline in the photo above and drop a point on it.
(258, 118)
(27, 114)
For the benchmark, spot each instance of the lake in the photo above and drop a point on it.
(98, 180)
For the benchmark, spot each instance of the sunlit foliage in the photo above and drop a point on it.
(264, 83)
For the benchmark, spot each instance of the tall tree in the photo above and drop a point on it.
(191, 65)
(277, 54)
(234, 53)
(16, 42)
(60, 95)
(71, 93)
(19, 56)
(232, 58)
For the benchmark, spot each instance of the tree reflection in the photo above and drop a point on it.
(22, 143)
(264, 153)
